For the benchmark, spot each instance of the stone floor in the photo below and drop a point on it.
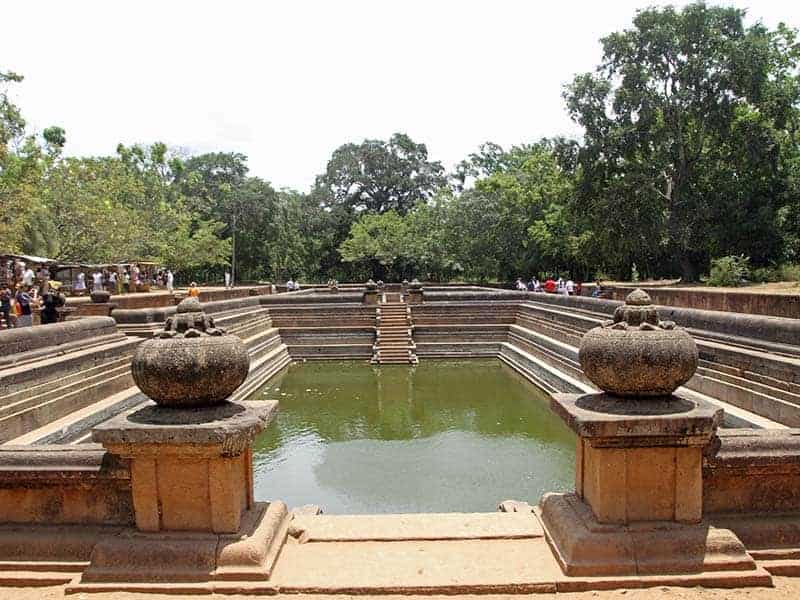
(785, 589)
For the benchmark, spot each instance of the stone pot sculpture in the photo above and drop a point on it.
(190, 363)
(100, 296)
(371, 285)
(415, 284)
(636, 354)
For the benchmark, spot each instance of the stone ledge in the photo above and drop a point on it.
(585, 547)
(606, 420)
(129, 559)
(232, 424)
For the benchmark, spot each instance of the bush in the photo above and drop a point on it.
(729, 271)
(784, 272)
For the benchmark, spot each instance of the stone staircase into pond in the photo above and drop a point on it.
(393, 342)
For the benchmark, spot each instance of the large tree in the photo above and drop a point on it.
(379, 176)
(684, 123)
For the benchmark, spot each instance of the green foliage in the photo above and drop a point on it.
(379, 176)
(690, 150)
(729, 271)
(772, 274)
(688, 121)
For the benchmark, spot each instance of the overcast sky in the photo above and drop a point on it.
(287, 82)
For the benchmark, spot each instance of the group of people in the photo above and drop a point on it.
(566, 287)
(123, 279)
(16, 307)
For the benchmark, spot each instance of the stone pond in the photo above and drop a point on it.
(439, 437)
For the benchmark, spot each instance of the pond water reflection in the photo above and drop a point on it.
(442, 436)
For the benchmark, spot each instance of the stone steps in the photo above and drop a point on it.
(58, 364)
(50, 391)
(35, 416)
(64, 381)
(394, 343)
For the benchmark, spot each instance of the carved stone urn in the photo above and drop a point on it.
(371, 285)
(100, 296)
(414, 285)
(191, 363)
(636, 354)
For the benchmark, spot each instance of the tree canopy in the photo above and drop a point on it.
(690, 151)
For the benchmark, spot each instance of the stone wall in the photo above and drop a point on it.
(25, 339)
(776, 305)
(56, 485)
(752, 471)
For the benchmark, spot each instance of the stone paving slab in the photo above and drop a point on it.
(443, 526)
(466, 566)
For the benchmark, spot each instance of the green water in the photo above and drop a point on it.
(440, 437)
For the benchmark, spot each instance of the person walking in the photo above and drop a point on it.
(80, 282)
(27, 276)
(170, 281)
(24, 310)
(5, 306)
(97, 280)
(227, 279)
(51, 302)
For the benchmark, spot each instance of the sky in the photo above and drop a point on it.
(287, 82)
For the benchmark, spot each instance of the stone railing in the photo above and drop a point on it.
(25, 339)
(739, 301)
(53, 484)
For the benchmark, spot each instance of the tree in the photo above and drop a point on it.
(669, 115)
(379, 176)
(378, 240)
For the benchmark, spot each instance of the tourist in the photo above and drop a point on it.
(27, 277)
(227, 279)
(194, 291)
(570, 287)
(22, 302)
(170, 281)
(135, 279)
(520, 285)
(578, 288)
(51, 302)
(97, 280)
(113, 284)
(80, 282)
(5, 306)
(290, 285)
(126, 281)
(550, 286)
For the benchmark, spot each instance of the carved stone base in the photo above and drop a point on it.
(133, 560)
(584, 547)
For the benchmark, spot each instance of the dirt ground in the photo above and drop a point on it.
(785, 589)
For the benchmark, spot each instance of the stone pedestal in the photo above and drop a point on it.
(371, 297)
(97, 309)
(638, 502)
(415, 295)
(192, 489)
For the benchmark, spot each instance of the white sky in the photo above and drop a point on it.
(288, 82)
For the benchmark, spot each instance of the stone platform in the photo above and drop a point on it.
(470, 553)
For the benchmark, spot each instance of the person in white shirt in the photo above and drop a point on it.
(227, 279)
(80, 282)
(27, 276)
(97, 281)
(170, 281)
(290, 286)
(570, 285)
